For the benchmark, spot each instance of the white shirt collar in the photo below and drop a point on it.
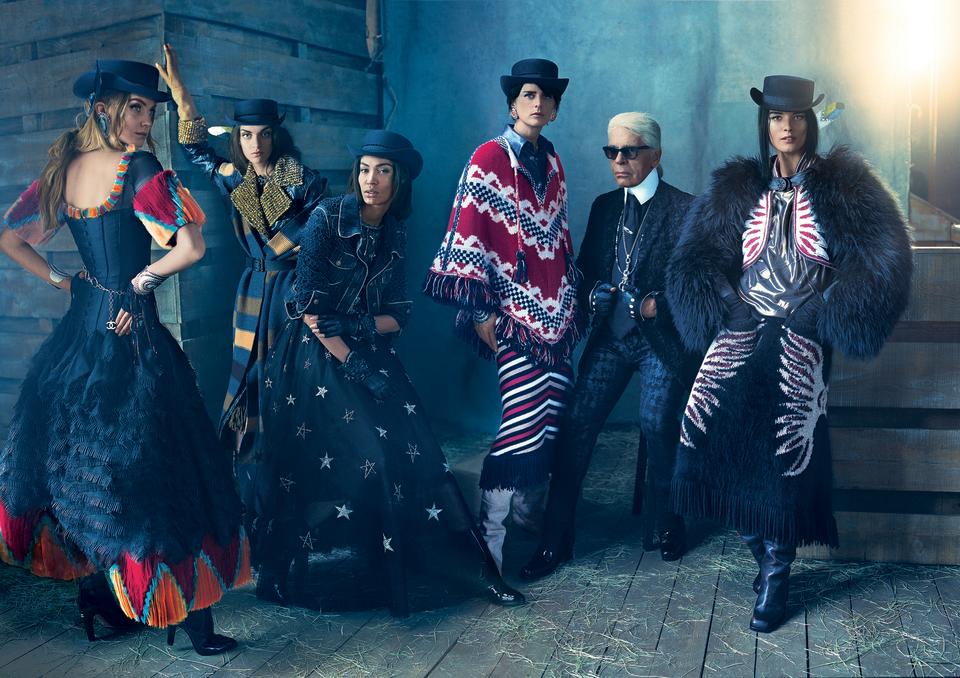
(645, 189)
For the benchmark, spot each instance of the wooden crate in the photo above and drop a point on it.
(895, 429)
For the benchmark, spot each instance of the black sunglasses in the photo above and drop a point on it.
(629, 152)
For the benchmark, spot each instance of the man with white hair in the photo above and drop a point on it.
(630, 236)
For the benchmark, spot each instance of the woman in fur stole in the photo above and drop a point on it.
(782, 259)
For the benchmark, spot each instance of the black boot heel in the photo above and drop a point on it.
(95, 597)
(199, 629)
(771, 608)
(86, 617)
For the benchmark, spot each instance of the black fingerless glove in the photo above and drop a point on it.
(359, 326)
(357, 369)
(601, 299)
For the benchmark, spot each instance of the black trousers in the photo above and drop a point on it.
(606, 367)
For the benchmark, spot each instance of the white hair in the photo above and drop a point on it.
(641, 124)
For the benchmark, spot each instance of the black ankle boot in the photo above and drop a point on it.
(498, 591)
(771, 608)
(545, 561)
(199, 628)
(95, 597)
(754, 542)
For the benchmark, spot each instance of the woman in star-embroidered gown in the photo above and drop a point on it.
(111, 465)
(271, 195)
(354, 486)
(784, 258)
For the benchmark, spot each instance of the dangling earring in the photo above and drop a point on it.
(103, 122)
(553, 117)
(513, 113)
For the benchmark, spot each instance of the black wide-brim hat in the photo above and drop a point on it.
(121, 76)
(540, 72)
(392, 146)
(785, 93)
(257, 112)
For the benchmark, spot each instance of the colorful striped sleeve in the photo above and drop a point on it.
(164, 205)
(24, 218)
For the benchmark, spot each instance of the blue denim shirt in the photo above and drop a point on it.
(534, 160)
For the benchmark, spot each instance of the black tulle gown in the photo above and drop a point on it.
(355, 492)
(111, 462)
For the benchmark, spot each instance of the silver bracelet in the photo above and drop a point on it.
(146, 281)
(56, 275)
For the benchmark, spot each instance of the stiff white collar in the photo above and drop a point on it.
(645, 189)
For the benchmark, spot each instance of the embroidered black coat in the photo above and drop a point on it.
(864, 230)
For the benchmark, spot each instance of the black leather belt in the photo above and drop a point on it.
(270, 265)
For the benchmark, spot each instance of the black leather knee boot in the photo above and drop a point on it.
(771, 607)
(754, 542)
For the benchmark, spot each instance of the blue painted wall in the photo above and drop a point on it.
(690, 64)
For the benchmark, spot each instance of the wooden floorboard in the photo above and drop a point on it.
(613, 611)
(686, 626)
(732, 645)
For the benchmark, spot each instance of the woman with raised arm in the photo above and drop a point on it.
(354, 482)
(111, 472)
(271, 195)
(784, 258)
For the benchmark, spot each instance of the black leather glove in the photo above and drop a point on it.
(634, 299)
(803, 319)
(356, 325)
(358, 370)
(601, 299)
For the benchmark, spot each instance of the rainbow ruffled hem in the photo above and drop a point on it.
(152, 590)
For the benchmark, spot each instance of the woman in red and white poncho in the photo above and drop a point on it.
(507, 263)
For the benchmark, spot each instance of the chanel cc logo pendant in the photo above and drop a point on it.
(111, 325)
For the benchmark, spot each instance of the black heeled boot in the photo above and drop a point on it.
(545, 562)
(771, 608)
(498, 591)
(95, 597)
(199, 628)
(754, 542)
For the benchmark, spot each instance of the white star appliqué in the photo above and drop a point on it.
(307, 541)
(413, 451)
(382, 432)
(411, 409)
(386, 543)
(286, 483)
(348, 416)
(433, 513)
(344, 511)
(325, 461)
(307, 364)
(368, 467)
(396, 492)
(268, 383)
(306, 339)
(302, 430)
(321, 391)
(291, 399)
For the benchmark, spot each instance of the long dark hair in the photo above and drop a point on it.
(401, 206)
(763, 132)
(282, 145)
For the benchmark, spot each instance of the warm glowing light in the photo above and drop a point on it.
(922, 26)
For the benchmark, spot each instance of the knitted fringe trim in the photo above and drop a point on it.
(519, 337)
(455, 290)
(693, 499)
(515, 472)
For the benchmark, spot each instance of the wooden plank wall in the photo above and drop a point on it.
(895, 428)
(309, 55)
